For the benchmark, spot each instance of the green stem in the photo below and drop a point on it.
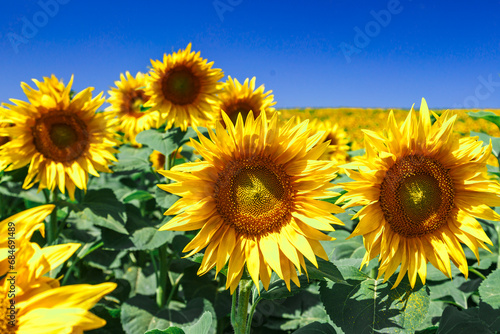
(240, 321)
(173, 289)
(250, 316)
(472, 270)
(51, 226)
(161, 290)
(72, 267)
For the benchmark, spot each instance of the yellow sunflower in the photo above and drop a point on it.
(39, 304)
(422, 189)
(183, 88)
(338, 148)
(18, 229)
(255, 198)
(61, 139)
(237, 98)
(127, 101)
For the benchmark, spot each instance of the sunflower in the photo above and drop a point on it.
(61, 139)
(183, 89)
(157, 160)
(39, 304)
(19, 228)
(422, 189)
(255, 199)
(338, 148)
(239, 98)
(127, 101)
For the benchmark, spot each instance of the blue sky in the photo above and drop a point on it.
(311, 54)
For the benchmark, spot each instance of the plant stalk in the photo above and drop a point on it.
(239, 321)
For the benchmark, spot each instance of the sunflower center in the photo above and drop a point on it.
(181, 86)
(136, 99)
(254, 196)
(417, 196)
(242, 108)
(332, 139)
(60, 136)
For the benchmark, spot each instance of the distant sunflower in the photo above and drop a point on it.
(127, 103)
(61, 139)
(422, 189)
(41, 305)
(255, 199)
(183, 88)
(236, 99)
(157, 160)
(338, 148)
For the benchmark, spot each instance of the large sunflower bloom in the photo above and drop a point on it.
(183, 89)
(255, 199)
(39, 304)
(127, 101)
(422, 189)
(62, 139)
(237, 98)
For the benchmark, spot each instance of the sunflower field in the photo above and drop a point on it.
(189, 204)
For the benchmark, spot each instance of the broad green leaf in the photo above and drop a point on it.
(140, 195)
(316, 328)
(487, 115)
(325, 269)
(490, 289)
(370, 306)
(102, 208)
(278, 289)
(142, 233)
(482, 319)
(202, 326)
(165, 199)
(142, 280)
(132, 159)
(170, 330)
(140, 314)
(166, 142)
(456, 290)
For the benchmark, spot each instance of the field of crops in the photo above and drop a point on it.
(191, 205)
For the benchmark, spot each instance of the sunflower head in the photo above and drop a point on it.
(422, 189)
(338, 148)
(183, 89)
(61, 139)
(127, 101)
(240, 99)
(255, 199)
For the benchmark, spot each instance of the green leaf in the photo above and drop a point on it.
(140, 195)
(487, 115)
(142, 234)
(102, 208)
(140, 314)
(167, 142)
(372, 306)
(132, 159)
(164, 198)
(316, 328)
(278, 289)
(170, 330)
(325, 269)
(202, 326)
(482, 319)
(489, 290)
(456, 291)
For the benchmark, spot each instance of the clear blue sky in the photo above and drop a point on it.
(311, 54)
